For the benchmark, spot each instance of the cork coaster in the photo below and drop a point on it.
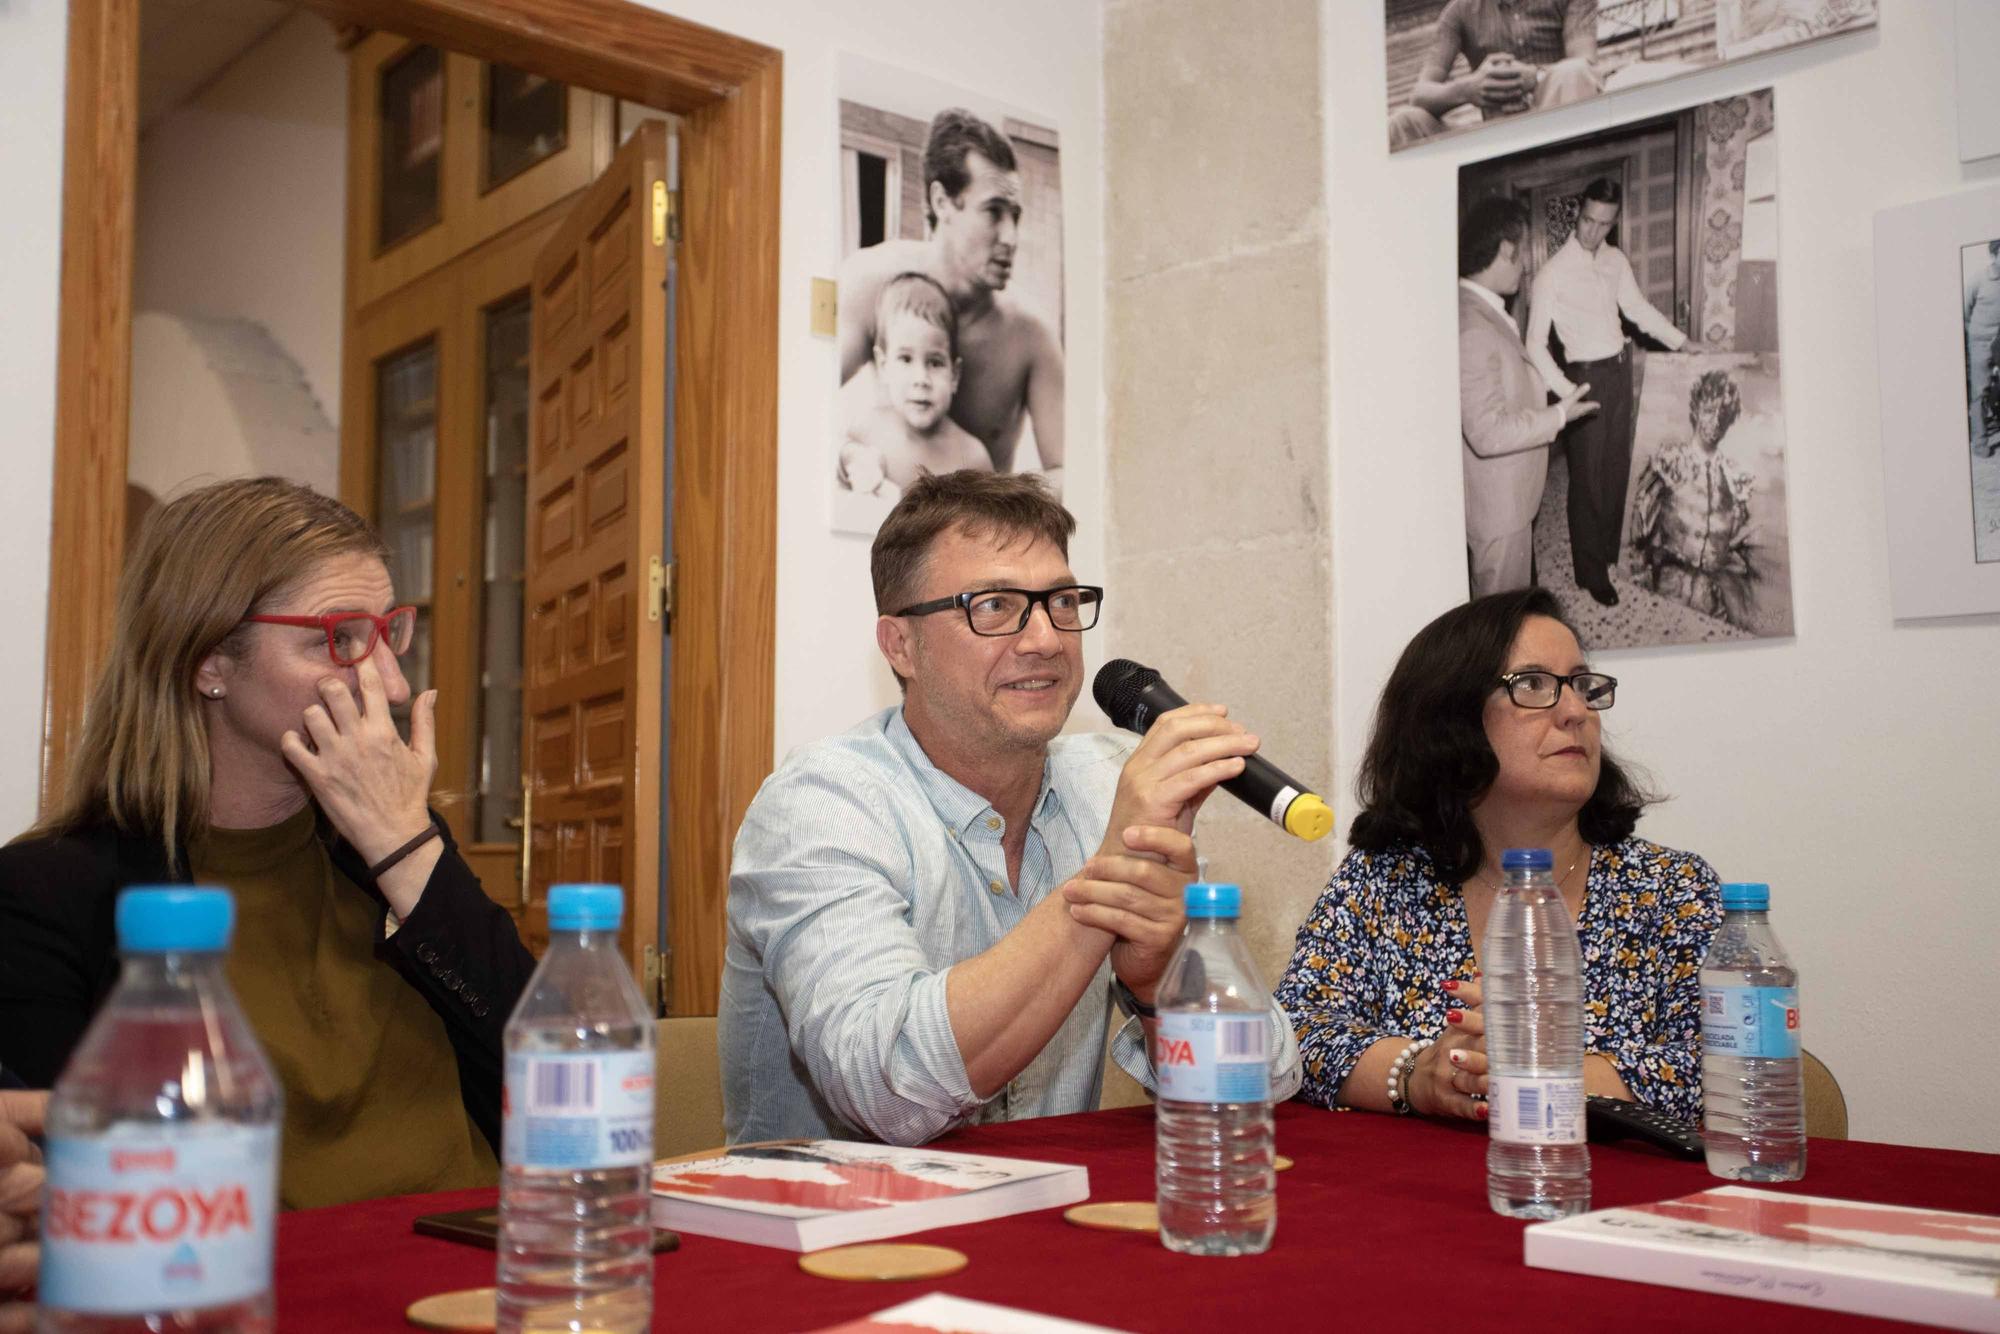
(1117, 1216)
(469, 1310)
(1280, 1163)
(883, 1263)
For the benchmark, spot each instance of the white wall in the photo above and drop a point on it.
(1046, 57)
(242, 201)
(215, 398)
(1853, 766)
(32, 53)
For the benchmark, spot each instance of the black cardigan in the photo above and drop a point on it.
(59, 951)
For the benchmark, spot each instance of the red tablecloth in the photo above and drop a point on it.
(1382, 1225)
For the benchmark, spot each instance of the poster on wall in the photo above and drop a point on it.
(950, 321)
(1937, 310)
(1621, 421)
(1455, 65)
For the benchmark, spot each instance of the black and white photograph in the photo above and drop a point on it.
(1981, 265)
(1455, 65)
(1621, 420)
(1937, 311)
(950, 320)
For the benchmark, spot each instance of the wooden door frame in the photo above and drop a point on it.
(728, 92)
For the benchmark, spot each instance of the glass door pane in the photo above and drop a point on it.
(412, 130)
(497, 727)
(406, 486)
(527, 120)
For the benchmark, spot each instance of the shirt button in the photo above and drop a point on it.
(996, 886)
(992, 822)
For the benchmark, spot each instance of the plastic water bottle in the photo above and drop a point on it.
(576, 1236)
(1536, 1162)
(1752, 1084)
(162, 1151)
(1214, 1165)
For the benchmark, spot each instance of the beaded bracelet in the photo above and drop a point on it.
(1400, 1071)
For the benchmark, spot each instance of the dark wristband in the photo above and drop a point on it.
(376, 871)
(1130, 1003)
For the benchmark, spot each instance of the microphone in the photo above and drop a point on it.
(1133, 696)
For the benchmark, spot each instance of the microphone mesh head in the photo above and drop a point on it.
(1117, 688)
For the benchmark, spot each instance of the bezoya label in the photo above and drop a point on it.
(1750, 1021)
(564, 1111)
(1212, 1057)
(1534, 1109)
(157, 1218)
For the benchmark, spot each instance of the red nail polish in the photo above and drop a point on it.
(1454, 1016)
(1451, 984)
(1482, 1112)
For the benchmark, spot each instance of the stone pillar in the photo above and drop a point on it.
(1217, 468)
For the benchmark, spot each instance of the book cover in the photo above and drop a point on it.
(955, 1315)
(1922, 1265)
(805, 1195)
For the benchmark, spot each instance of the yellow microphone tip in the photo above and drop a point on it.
(1308, 817)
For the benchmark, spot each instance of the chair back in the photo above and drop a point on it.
(687, 1091)
(1120, 1089)
(1826, 1105)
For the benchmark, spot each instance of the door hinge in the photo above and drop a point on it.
(659, 589)
(651, 984)
(666, 214)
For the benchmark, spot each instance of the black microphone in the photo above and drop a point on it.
(1133, 696)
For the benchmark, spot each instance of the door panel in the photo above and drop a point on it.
(596, 501)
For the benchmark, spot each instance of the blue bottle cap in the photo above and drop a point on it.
(174, 919)
(1746, 898)
(585, 907)
(1527, 859)
(1213, 900)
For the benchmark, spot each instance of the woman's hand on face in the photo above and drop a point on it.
(1452, 1069)
(374, 788)
(21, 1115)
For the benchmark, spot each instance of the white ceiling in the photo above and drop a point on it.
(183, 44)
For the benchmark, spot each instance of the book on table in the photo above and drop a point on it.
(1922, 1265)
(806, 1195)
(956, 1315)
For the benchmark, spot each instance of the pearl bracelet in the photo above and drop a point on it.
(1400, 1071)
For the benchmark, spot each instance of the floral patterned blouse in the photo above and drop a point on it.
(1387, 933)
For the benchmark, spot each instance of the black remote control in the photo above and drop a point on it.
(1612, 1119)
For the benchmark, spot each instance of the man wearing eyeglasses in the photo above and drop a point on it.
(932, 915)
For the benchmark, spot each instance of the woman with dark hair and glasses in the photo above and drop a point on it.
(1487, 737)
(242, 735)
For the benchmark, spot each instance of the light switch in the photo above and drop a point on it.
(825, 307)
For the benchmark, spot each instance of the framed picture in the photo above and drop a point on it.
(1455, 65)
(1937, 313)
(950, 320)
(1621, 420)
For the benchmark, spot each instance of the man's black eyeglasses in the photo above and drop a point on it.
(997, 612)
(1541, 690)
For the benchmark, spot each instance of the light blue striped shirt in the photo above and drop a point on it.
(861, 874)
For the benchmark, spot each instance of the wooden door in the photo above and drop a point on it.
(591, 717)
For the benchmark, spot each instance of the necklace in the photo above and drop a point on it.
(1559, 879)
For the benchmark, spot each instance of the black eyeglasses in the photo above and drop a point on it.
(1541, 690)
(996, 612)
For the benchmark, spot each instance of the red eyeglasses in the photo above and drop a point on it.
(352, 635)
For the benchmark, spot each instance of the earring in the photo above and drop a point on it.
(215, 692)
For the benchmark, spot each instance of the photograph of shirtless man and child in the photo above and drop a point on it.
(950, 291)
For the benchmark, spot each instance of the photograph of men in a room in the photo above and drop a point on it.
(1981, 280)
(1458, 64)
(1621, 425)
(950, 292)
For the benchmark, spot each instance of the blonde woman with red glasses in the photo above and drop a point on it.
(241, 735)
